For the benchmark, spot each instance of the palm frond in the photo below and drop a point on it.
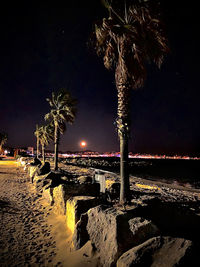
(130, 38)
(63, 110)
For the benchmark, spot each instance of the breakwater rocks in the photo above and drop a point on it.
(154, 230)
(109, 163)
(92, 162)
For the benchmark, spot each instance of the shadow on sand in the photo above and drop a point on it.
(7, 207)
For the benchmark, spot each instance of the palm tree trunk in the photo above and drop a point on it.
(56, 141)
(43, 154)
(124, 173)
(37, 147)
(123, 124)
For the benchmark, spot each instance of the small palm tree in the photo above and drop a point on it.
(37, 134)
(128, 39)
(63, 109)
(3, 140)
(45, 136)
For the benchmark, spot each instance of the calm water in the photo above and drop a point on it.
(177, 170)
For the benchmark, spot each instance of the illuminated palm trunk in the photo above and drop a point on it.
(56, 142)
(37, 147)
(123, 124)
(43, 154)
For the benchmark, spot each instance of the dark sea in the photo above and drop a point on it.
(180, 171)
(185, 172)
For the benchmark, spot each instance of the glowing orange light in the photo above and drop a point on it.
(83, 144)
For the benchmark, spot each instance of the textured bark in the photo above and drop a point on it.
(43, 154)
(37, 147)
(124, 173)
(123, 119)
(56, 140)
(123, 124)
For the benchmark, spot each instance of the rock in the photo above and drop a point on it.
(48, 195)
(158, 251)
(111, 231)
(76, 206)
(36, 162)
(41, 178)
(32, 171)
(140, 229)
(65, 191)
(84, 179)
(44, 169)
(60, 198)
(23, 161)
(113, 190)
(80, 235)
(51, 178)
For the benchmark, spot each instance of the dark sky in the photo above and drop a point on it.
(44, 48)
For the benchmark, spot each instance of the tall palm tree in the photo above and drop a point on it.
(63, 109)
(45, 136)
(37, 134)
(128, 39)
(3, 140)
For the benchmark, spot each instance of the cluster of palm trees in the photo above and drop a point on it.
(63, 110)
(130, 37)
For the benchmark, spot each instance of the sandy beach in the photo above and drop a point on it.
(31, 234)
(26, 236)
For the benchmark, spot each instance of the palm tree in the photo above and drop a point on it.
(3, 140)
(63, 110)
(45, 136)
(37, 133)
(128, 39)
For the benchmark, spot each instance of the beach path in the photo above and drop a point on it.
(26, 237)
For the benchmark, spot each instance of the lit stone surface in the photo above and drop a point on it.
(48, 195)
(63, 192)
(159, 251)
(31, 171)
(59, 197)
(112, 232)
(76, 206)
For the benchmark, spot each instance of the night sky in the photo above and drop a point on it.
(44, 48)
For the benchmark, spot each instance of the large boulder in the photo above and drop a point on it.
(60, 198)
(35, 162)
(32, 170)
(80, 235)
(84, 179)
(44, 169)
(40, 179)
(114, 231)
(48, 195)
(159, 251)
(62, 192)
(76, 206)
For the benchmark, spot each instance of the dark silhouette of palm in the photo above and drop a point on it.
(63, 110)
(37, 134)
(45, 136)
(3, 140)
(128, 39)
